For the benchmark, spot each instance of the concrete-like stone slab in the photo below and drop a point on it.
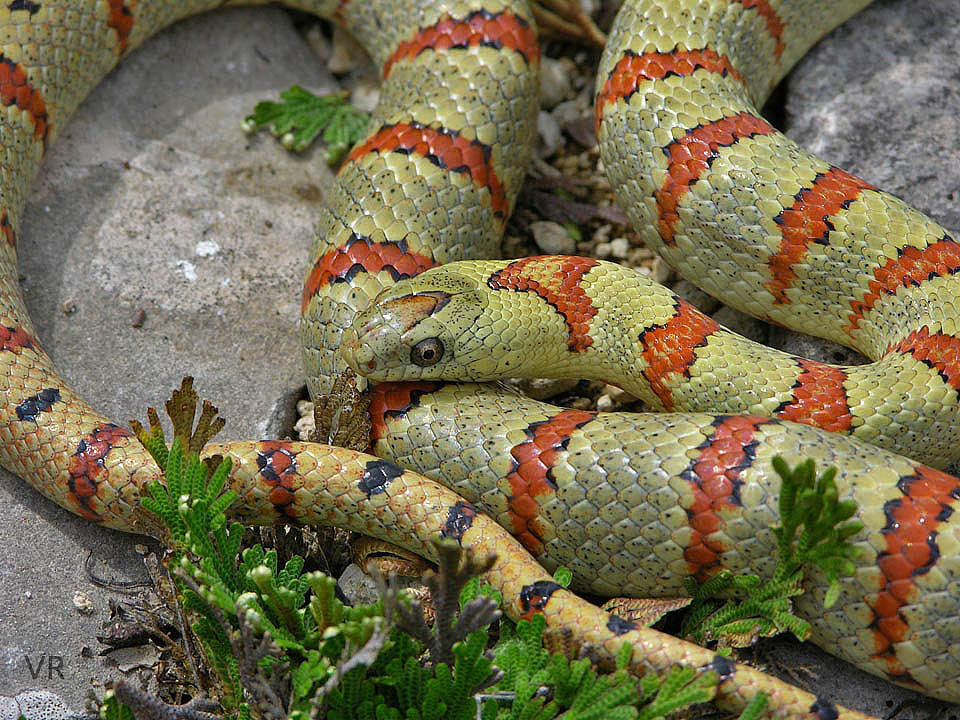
(153, 200)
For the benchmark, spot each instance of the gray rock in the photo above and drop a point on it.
(552, 238)
(556, 81)
(741, 323)
(695, 296)
(813, 348)
(153, 200)
(358, 587)
(881, 98)
(548, 130)
(36, 705)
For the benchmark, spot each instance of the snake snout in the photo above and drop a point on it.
(364, 342)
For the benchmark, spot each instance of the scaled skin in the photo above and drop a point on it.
(570, 317)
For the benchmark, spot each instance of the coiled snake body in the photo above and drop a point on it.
(627, 502)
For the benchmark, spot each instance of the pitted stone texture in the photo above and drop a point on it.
(153, 199)
(880, 97)
(36, 705)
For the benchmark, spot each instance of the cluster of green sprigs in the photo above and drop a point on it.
(814, 532)
(301, 116)
(281, 646)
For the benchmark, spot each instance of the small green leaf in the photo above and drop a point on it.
(563, 576)
(300, 117)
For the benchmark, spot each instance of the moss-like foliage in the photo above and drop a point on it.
(814, 532)
(280, 645)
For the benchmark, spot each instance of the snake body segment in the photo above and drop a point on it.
(719, 190)
(599, 320)
(434, 182)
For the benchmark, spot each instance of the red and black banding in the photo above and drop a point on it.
(15, 339)
(15, 89)
(120, 20)
(278, 468)
(361, 255)
(929, 497)
(824, 709)
(7, 229)
(560, 289)
(31, 7)
(670, 349)
(633, 69)
(377, 476)
(394, 400)
(714, 478)
(690, 156)
(447, 149)
(86, 467)
(498, 30)
(28, 410)
(819, 398)
(459, 520)
(912, 267)
(620, 626)
(808, 221)
(534, 598)
(938, 351)
(772, 19)
(532, 477)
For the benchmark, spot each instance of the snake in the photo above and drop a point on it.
(653, 497)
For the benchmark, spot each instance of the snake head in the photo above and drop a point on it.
(422, 328)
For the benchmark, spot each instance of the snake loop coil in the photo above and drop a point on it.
(630, 503)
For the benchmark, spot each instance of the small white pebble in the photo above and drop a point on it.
(550, 134)
(552, 238)
(619, 247)
(188, 270)
(365, 96)
(347, 53)
(207, 248)
(304, 407)
(555, 84)
(82, 603)
(602, 250)
(602, 233)
(304, 427)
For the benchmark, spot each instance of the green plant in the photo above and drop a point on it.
(281, 646)
(301, 116)
(814, 532)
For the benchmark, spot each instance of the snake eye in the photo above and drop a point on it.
(426, 352)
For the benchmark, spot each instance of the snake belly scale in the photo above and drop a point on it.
(432, 183)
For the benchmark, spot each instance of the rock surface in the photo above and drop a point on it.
(153, 200)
